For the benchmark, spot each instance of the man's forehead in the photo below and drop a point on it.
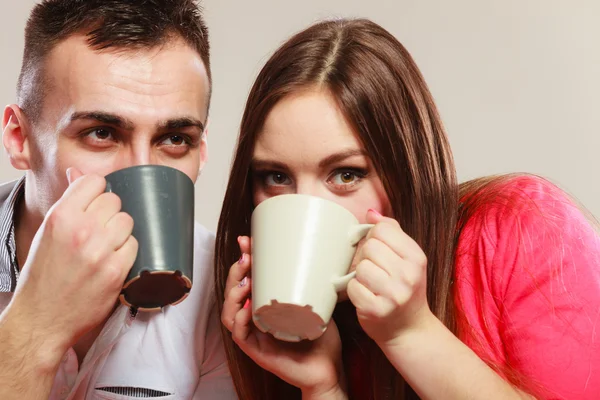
(164, 82)
(74, 53)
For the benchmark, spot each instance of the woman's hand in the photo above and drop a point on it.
(315, 367)
(389, 291)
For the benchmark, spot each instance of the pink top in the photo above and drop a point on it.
(528, 290)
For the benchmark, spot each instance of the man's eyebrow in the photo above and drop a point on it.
(183, 122)
(124, 123)
(103, 117)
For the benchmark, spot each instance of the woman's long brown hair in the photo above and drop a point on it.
(383, 95)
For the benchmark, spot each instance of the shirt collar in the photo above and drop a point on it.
(9, 269)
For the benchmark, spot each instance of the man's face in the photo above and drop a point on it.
(110, 110)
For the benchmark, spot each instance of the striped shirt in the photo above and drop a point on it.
(9, 268)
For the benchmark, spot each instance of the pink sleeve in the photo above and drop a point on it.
(528, 287)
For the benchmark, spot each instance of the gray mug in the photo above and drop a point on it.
(161, 202)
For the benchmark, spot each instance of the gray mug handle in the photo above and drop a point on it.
(356, 234)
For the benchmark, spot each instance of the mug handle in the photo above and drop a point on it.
(356, 234)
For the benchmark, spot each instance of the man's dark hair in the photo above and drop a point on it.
(108, 24)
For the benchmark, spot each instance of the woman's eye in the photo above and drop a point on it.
(346, 177)
(277, 179)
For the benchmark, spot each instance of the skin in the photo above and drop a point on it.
(389, 291)
(103, 111)
(319, 156)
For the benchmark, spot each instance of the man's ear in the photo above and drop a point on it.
(204, 147)
(15, 137)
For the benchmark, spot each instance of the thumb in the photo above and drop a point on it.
(374, 217)
(73, 174)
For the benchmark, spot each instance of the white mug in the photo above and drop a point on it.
(302, 249)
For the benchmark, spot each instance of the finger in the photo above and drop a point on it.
(80, 194)
(125, 256)
(381, 255)
(118, 230)
(238, 271)
(104, 207)
(234, 302)
(362, 298)
(73, 174)
(374, 217)
(375, 279)
(389, 232)
(242, 325)
(245, 244)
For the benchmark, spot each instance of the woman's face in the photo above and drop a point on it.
(307, 147)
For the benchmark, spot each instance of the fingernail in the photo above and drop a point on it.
(242, 259)
(247, 303)
(243, 282)
(375, 212)
(69, 175)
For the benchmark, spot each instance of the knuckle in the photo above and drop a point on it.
(113, 274)
(56, 217)
(94, 258)
(134, 244)
(131, 249)
(421, 259)
(124, 221)
(359, 269)
(384, 311)
(128, 219)
(410, 281)
(80, 235)
(125, 256)
(370, 310)
(362, 268)
(400, 298)
(239, 318)
(378, 231)
(393, 223)
(351, 287)
(225, 322)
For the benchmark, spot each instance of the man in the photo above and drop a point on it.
(104, 85)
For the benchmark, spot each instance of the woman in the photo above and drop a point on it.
(490, 292)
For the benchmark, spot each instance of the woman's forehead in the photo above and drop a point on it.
(306, 124)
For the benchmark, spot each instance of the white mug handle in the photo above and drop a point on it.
(342, 282)
(356, 233)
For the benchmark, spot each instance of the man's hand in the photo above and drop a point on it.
(71, 279)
